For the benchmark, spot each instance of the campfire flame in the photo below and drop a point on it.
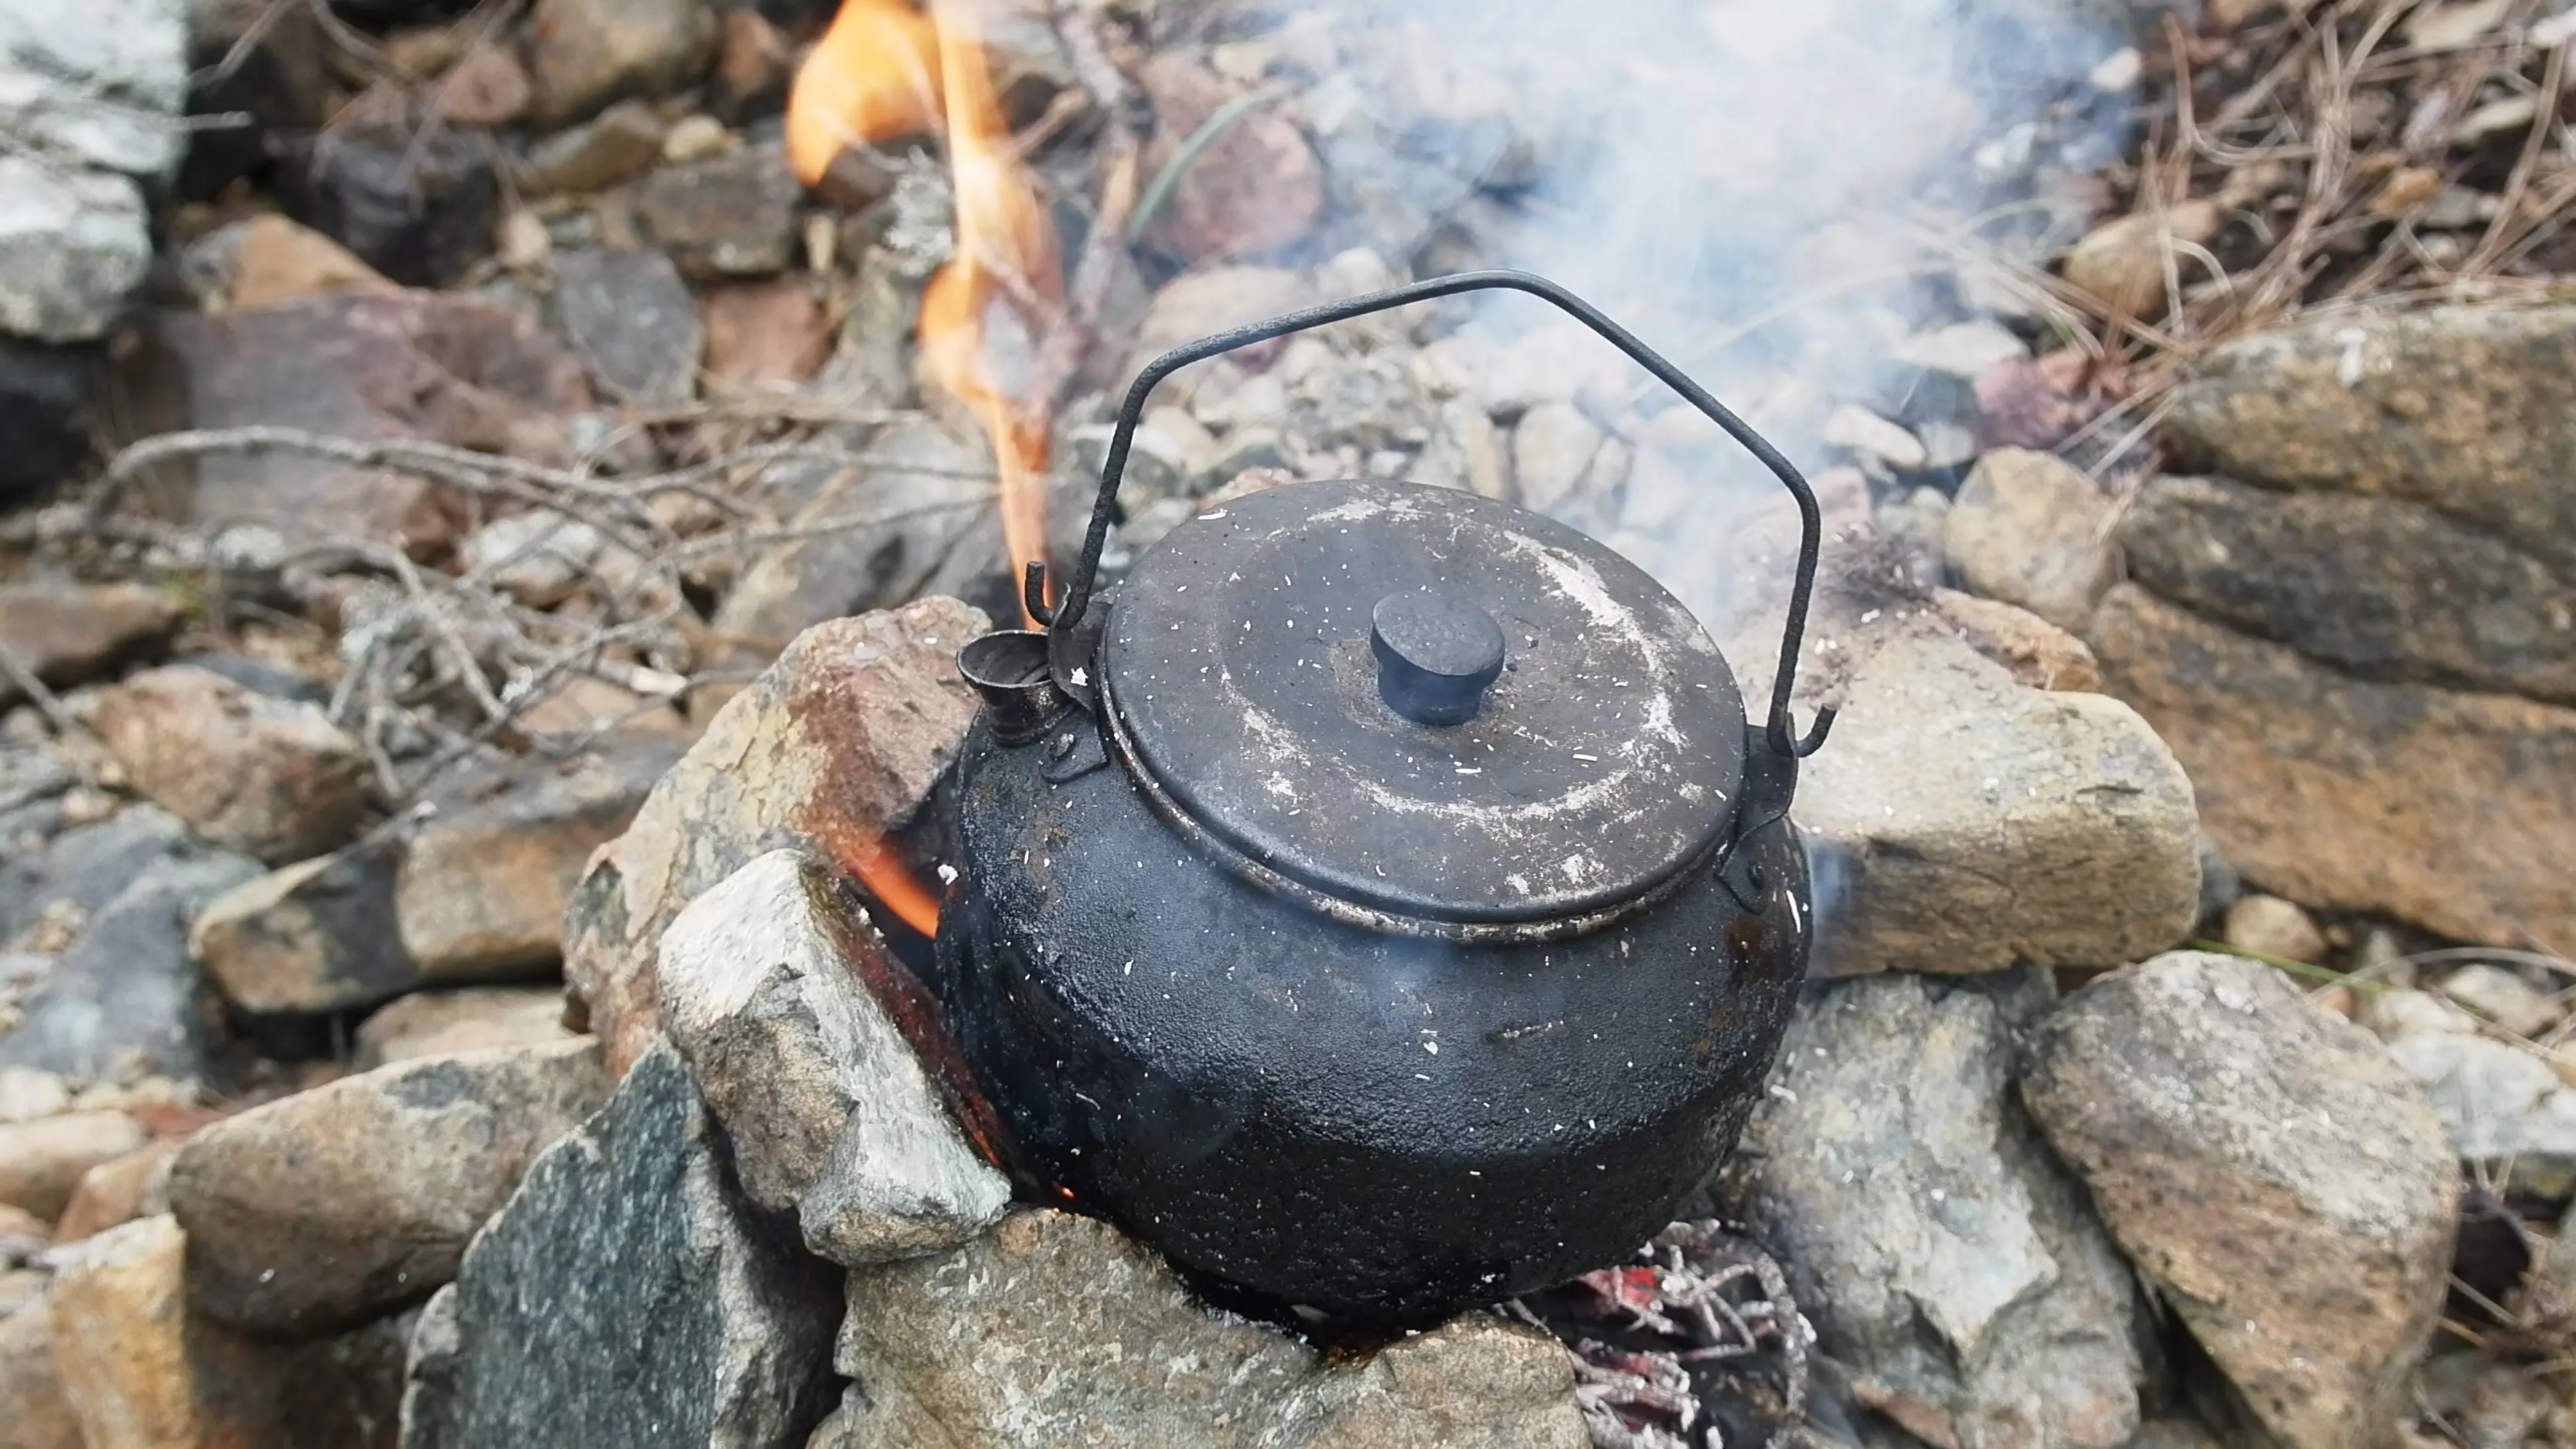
(893, 885)
(985, 313)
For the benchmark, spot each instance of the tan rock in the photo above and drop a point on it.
(275, 260)
(2456, 811)
(68, 633)
(2126, 263)
(2030, 530)
(834, 747)
(1255, 190)
(33, 1412)
(322, 1210)
(2039, 654)
(481, 889)
(2467, 410)
(41, 1162)
(764, 333)
(117, 1191)
(488, 87)
(315, 936)
(1473, 1381)
(472, 1018)
(1967, 823)
(620, 144)
(584, 54)
(2271, 926)
(250, 772)
(2270, 1170)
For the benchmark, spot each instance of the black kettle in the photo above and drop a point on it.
(1378, 902)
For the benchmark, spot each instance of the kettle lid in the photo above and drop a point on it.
(1423, 703)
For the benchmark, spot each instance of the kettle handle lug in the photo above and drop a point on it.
(1782, 737)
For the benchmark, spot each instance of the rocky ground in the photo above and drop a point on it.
(481, 564)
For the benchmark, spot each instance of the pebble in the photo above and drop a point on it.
(2271, 926)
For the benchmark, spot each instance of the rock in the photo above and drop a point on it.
(2503, 997)
(1255, 190)
(939, 535)
(837, 745)
(1212, 300)
(267, 258)
(415, 203)
(27, 1094)
(732, 215)
(2504, 1108)
(2038, 653)
(620, 144)
(317, 936)
(764, 334)
(250, 773)
(630, 1220)
(769, 988)
(2383, 588)
(2456, 811)
(1054, 1329)
(1954, 1271)
(71, 633)
(44, 397)
(482, 887)
(1962, 822)
(86, 866)
(356, 365)
(1963, 350)
(280, 80)
(119, 1190)
(1553, 446)
(488, 87)
(43, 1161)
(39, 1416)
(471, 1018)
(632, 318)
(1552, 362)
(754, 63)
(125, 995)
(583, 54)
(2227, 1130)
(2125, 264)
(2271, 926)
(72, 247)
(322, 1210)
(97, 89)
(2031, 530)
(1873, 440)
(139, 1368)
(2461, 409)
(538, 558)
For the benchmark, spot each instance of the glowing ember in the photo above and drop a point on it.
(985, 313)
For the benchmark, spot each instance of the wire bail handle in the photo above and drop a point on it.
(1784, 739)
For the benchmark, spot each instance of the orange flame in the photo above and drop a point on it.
(893, 884)
(985, 314)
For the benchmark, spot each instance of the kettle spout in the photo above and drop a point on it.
(1008, 668)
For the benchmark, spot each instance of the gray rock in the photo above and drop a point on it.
(322, 1210)
(727, 215)
(44, 395)
(2031, 530)
(840, 741)
(632, 319)
(767, 989)
(87, 866)
(625, 1296)
(72, 247)
(2269, 1171)
(1553, 446)
(1054, 1329)
(910, 513)
(317, 936)
(417, 204)
(1953, 1269)
(2504, 1109)
(2383, 588)
(2450, 809)
(125, 994)
(2468, 410)
(281, 81)
(100, 86)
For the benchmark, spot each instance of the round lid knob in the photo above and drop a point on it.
(1437, 654)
